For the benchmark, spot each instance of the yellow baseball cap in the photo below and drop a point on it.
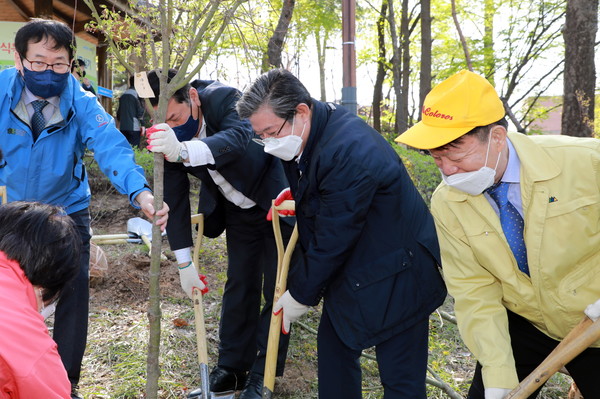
(458, 104)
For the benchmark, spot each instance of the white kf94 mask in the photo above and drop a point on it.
(475, 182)
(286, 147)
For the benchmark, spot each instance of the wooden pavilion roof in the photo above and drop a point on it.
(74, 13)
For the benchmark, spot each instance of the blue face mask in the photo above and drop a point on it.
(45, 84)
(188, 130)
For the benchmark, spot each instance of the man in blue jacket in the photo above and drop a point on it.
(369, 242)
(46, 122)
(204, 137)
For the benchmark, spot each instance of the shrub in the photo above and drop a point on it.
(100, 183)
(421, 168)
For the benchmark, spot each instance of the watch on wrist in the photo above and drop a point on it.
(183, 153)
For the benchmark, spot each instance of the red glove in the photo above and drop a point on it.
(284, 195)
(205, 281)
(190, 279)
(162, 140)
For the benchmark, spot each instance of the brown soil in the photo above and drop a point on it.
(126, 281)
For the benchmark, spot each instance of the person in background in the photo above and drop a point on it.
(39, 251)
(130, 114)
(204, 137)
(368, 240)
(78, 70)
(46, 124)
(518, 219)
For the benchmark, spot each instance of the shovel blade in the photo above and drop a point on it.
(266, 393)
(139, 227)
(204, 381)
(222, 395)
(203, 392)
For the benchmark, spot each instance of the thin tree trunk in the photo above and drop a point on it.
(154, 312)
(321, 60)
(488, 41)
(396, 62)
(402, 120)
(275, 45)
(581, 24)
(381, 68)
(462, 37)
(425, 74)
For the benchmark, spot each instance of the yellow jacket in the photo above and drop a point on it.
(560, 190)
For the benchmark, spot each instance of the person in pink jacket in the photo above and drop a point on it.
(39, 250)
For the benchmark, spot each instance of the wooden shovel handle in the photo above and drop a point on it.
(579, 338)
(200, 326)
(197, 295)
(283, 263)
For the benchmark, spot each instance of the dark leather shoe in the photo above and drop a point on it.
(224, 379)
(253, 387)
(75, 392)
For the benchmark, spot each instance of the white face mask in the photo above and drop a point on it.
(286, 147)
(475, 182)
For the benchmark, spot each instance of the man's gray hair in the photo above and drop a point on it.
(278, 89)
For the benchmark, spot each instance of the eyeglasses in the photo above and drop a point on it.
(287, 118)
(261, 142)
(39, 66)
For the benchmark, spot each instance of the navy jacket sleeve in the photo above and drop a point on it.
(228, 137)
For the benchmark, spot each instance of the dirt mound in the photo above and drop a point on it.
(126, 279)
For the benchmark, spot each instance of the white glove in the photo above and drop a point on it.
(292, 310)
(188, 275)
(162, 139)
(593, 311)
(496, 393)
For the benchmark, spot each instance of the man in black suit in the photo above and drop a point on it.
(204, 137)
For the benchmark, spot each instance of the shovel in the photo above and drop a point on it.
(138, 230)
(579, 338)
(204, 391)
(283, 266)
(142, 229)
(116, 239)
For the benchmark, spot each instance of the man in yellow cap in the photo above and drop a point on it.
(518, 220)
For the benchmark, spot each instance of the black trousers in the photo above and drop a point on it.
(402, 362)
(530, 347)
(71, 317)
(132, 136)
(251, 272)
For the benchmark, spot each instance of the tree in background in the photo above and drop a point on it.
(382, 67)
(272, 57)
(488, 41)
(319, 22)
(581, 25)
(401, 60)
(425, 73)
(516, 44)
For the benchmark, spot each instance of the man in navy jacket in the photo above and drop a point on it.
(369, 242)
(204, 137)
